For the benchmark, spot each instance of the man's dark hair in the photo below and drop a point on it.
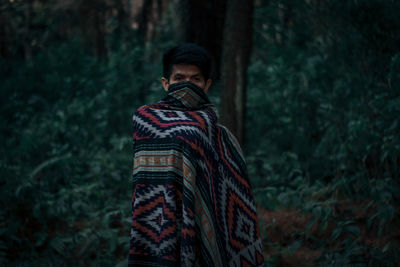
(187, 53)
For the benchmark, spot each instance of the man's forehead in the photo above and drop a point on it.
(185, 69)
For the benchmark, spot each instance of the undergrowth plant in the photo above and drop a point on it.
(326, 121)
(66, 155)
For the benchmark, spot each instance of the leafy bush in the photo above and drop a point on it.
(65, 158)
(327, 115)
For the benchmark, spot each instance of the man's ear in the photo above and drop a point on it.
(208, 84)
(165, 83)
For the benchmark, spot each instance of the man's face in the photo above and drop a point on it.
(186, 73)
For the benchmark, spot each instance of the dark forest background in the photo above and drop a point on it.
(310, 87)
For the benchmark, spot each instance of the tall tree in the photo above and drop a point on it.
(149, 17)
(204, 24)
(3, 38)
(237, 42)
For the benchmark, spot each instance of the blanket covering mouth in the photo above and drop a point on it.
(192, 203)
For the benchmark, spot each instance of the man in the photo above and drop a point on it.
(192, 203)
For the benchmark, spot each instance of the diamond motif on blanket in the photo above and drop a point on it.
(241, 222)
(168, 116)
(154, 221)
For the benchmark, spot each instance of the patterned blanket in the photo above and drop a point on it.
(192, 204)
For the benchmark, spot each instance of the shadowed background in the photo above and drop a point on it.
(309, 87)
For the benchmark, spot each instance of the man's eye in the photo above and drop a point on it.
(178, 78)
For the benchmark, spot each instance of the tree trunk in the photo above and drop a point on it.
(235, 60)
(3, 38)
(204, 26)
(27, 30)
(123, 8)
(99, 26)
(149, 17)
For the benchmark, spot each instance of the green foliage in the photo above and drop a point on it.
(324, 117)
(66, 155)
(322, 131)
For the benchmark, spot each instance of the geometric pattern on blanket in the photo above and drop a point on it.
(192, 203)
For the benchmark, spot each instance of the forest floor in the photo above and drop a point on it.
(280, 227)
(291, 237)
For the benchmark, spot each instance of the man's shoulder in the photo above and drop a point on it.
(143, 109)
(231, 138)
